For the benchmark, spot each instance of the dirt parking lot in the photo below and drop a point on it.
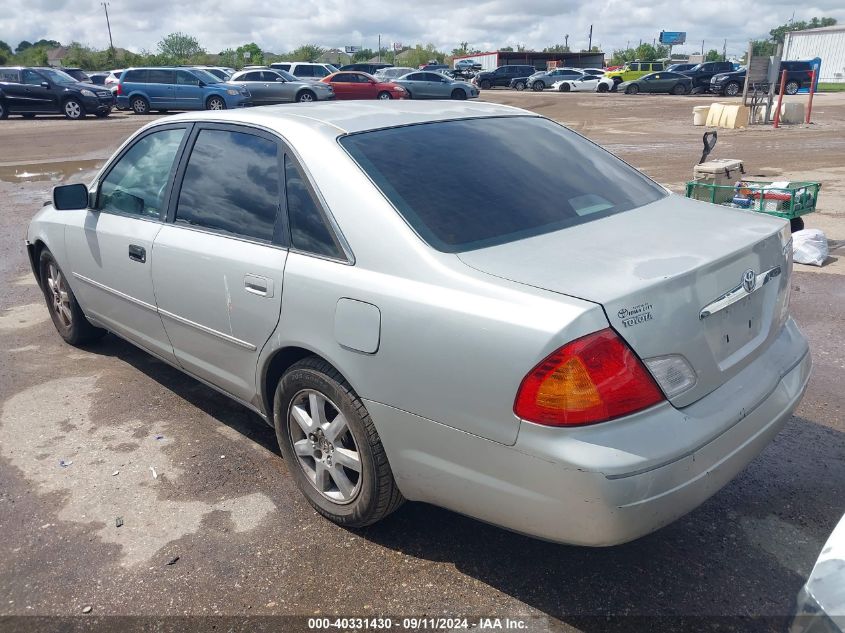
(221, 528)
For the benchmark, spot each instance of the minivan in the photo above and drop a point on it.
(305, 70)
(168, 88)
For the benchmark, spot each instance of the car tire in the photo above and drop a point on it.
(306, 96)
(102, 115)
(632, 89)
(215, 103)
(602, 88)
(139, 105)
(519, 85)
(796, 224)
(679, 89)
(485, 84)
(564, 87)
(349, 497)
(732, 89)
(73, 109)
(459, 95)
(538, 86)
(792, 87)
(384, 95)
(4, 111)
(65, 312)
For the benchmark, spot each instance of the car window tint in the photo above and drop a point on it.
(251, 77)
(136, 184)
(137, 76)
(308, 229)
(285, 67)
(184, 78)
(304, 71)
(231, 184)
(658, 66)
(320, 71)
(469, 200)
(159, 76)
(31, 77)
(8, 74)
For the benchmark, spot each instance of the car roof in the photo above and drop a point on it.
(349, 117)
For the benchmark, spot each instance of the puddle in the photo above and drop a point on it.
(50, 172)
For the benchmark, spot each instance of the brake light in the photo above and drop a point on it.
(592, 379)
(119, 89)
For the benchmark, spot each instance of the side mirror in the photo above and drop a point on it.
(44, 84)
(70, 197)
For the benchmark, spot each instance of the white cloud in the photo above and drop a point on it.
(282, 25)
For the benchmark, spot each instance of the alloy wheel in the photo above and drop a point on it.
(73, 109)
(216, 103)
(324, 446)
(59, 296)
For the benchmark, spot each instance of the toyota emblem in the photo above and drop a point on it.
(749, 280)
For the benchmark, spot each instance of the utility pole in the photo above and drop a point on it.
(379, 47)
(702, 50)
(566, 42)
(725, 51)
(590, 39)
(108, 25)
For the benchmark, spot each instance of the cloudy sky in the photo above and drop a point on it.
(281, 25)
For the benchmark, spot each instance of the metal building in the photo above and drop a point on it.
(827, 43)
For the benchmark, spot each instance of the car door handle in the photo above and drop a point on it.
(137, 253)
(260, 286)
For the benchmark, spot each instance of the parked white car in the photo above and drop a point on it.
(587, 83)
(605, 84)
(305, 71)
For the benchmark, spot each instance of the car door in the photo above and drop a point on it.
(252, 81)
(366, 87)
(187, 91)
(219, 260)
(110, 245)
(344, 85)
(160, 88)
(38, 95)
(273, 88)
(413, 83)
(13, 89)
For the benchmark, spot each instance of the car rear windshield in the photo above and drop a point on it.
(474, 183)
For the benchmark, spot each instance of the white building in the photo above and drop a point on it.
(827, 43)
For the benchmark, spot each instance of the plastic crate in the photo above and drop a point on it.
(798, 198)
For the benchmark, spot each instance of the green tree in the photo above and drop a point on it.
(420, 55)
(779, 33)
(256, 55)
(557, 48)
(713, 56)
(508, 49)
(179, 48)
(22, 46)
(363, 55)
(307, 53)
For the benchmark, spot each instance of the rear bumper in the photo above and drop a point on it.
(609, 483)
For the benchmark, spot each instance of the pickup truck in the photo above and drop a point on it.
(798, 75)
(703, 73)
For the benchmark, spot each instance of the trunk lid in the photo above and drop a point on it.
(655, 269)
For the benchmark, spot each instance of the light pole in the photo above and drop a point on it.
(108, 25)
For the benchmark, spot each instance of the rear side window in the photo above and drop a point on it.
(137, 182)
(159, 76)
(496, 180)
(304, 71)
(231, 184)
(285, 67)
(135, 76)
(309, 230)
(9, 74)
(658, 66)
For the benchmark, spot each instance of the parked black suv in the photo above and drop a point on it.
(503, 75)
(798, 75)
(366, 67)
(31, 91)
(702, 73)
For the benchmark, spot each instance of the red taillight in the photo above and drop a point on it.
(592, 379)
(119, 89)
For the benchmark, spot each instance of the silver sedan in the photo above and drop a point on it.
(268, 87)
(583, 358)
(430, 85)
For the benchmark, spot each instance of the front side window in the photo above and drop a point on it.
(137, 182)
(304, 71)
(32, 78)
(309, 231)
(231, 184)
(469, 166)
(184, 78)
